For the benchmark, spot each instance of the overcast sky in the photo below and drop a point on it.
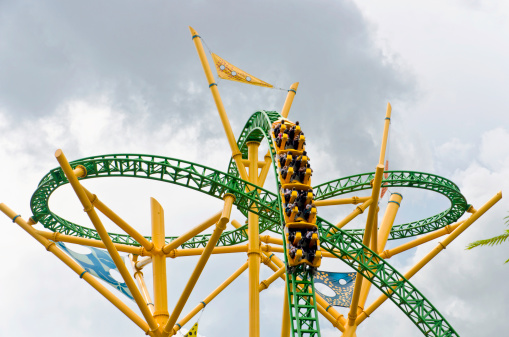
(103, 77)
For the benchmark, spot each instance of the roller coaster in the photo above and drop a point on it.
(290, 212)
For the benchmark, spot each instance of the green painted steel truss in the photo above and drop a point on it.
(344, 244)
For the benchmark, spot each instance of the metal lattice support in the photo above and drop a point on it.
(344, 244)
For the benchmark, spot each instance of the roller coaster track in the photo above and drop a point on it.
(344, 244)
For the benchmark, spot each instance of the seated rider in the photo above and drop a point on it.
(284, 172)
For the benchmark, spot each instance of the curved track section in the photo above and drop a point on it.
(411, 179)
(216, 183)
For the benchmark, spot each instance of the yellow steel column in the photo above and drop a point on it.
(323, 307)
(344, 201)
(118, 221)
(236, 154)
(285, 324)
(375, 193)
(286, 110)
(57, 236)
(265, 169)
(159, 264)
(386, 254)
(441, 246)
(209, 298)
(351, 327)
(89, 209)
(289, 99)
(389, 216)
(97, 285)
(266, 283)
(221, 225)
(386, 133)
(253, 248)
(388, 220)
(358, 210)
(138, 275)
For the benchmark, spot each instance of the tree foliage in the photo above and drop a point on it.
(496, 240)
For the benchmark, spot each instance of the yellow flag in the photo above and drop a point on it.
(228, 71)
(193, 332)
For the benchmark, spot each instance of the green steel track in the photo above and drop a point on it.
(345, 244)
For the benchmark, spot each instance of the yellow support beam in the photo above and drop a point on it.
(209, 298)
(285, 322)
(266, 283)
(253, 252)
(236, 154)
(289, 99)
(343, 201)
(375, 194)
(191, 233)
(351, 327)
(221, 225)
(286, 110)
(52, 248)
(357, 211)
(198, 251)
(265, 169)
(159, 263)
(94, 218)
(386, 134)
(387, 254)
(138, 276)
(434, 252)
(323, 307)
(118, 220)
(388, 220)
(57, 236)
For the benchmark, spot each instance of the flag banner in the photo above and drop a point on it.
(193, 332)
(98, 263)
(228, 71)
(341, 283)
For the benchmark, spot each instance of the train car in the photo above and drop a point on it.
(294, 170)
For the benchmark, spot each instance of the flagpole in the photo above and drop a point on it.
(236, 154)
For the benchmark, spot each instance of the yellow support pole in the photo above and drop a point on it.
(358, 210)
(51, 247)
(289, 99)
(286, 110)
(375, 193)
(138, 276)
(434, 252)
(266, 283)
(270, 239)
(89, 209)
(159, 264)
(57, 236)
(344, 201)
(387, 254)
(386, 134)
(191, 233)
(370, 223)
(221, 225)
(323, 307)
(253, 248)
(236, 154)
(387, 223)
(388, 220)
(198, 251)
(118, 220)
(209, 298)
(285, 324)
(265, 169)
